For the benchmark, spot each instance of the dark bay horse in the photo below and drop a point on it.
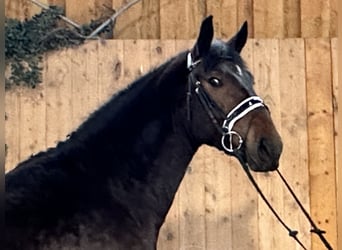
(111, 183)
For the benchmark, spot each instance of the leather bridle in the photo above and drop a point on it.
(228, 134)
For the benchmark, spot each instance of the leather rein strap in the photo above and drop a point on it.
(292, 233)
(226, 130)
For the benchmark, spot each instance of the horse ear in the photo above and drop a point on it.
(239, 40)
(204, 39)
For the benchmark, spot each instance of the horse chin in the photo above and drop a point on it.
(254, 164)
(261, 167)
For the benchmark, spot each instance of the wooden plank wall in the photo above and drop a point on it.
(215, 207)
(179, 19)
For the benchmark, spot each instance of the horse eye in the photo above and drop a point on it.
(214, 82)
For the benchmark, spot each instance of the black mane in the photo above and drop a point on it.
(117, 123)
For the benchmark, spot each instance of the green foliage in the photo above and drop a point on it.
(24, 46)
(25, 43)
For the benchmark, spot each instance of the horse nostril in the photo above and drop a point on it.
(264, 150)
(269, 152)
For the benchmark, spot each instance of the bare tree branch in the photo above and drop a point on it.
(112, 18)
(43, 6)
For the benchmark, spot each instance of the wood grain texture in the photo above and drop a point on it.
(291, 12)
(12, 128)
(139, 21)
(218, 200)
(315, 18)
(294, 131)
(225, 16)
(334, 60)
(266, 73)
(175, 14)
(86, 11)
(215, 207)
(177, 19)
(58, 92)
(32, 121)
(245, 13)
(169, 235)
(110, 68)
(84, 82)
(19, 9)
(268, 19)
(321, 137)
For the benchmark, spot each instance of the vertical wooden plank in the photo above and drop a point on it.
(268, 19)
(245, 13)
(87, 11)
(128, 25)
(160, 52)
(321, 138)
(172, 19)
(315, 18)
(225, 16)
(136, 59)
(294, 160)
(266, 57)
(19, 9)
(266, 72)
(150, 19)
(218, 200)
(12, 138)
(57, 81)
(84, 82)
(32, 121)
(191, 194)
(292, 24)
(195, 13)
(191, 205)
(110, 68)
(333, 18)
(141, 21)
(181, 19)
(244, 206)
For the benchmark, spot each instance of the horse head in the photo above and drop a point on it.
(231, 115)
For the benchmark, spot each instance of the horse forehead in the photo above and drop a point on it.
(221, 53)
(221, 49)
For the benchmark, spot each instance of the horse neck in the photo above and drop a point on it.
(162, 149)
(145, 153)
(169, 168)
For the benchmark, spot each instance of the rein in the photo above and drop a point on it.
(292, 233)
(227, 132)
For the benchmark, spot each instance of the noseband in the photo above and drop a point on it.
(228, 134)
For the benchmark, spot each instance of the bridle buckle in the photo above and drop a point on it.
(230, 147)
